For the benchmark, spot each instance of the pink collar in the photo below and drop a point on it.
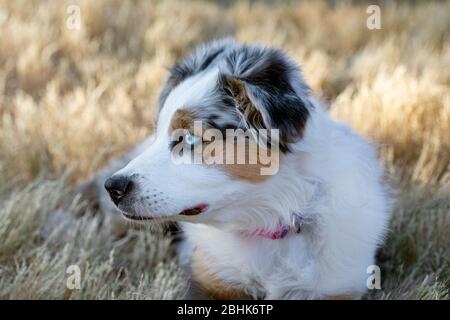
(280, 232)
(297, 220)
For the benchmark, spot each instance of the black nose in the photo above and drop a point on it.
(118, 187)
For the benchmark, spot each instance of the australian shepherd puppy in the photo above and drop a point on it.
(299, 217)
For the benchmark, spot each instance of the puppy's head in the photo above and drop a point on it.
(227, 115)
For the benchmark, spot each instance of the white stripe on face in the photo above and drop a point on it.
(190, 93)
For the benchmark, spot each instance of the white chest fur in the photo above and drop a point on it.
(262, 267)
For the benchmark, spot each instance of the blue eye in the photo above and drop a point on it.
(190, 139)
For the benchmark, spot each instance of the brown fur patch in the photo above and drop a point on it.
(241, 170)
(247, 172)
(250, 113)
(210, 283)
(183, 119)
(343, 296)
(250, 172)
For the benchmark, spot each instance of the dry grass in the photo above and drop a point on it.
(72, 99)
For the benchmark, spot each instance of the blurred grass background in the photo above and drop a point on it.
(70, 100)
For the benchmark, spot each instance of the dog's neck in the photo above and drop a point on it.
(295, 223)
(280, 232)
(274, 220)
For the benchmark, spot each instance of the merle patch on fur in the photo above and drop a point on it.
(257, 87)
(198, 60)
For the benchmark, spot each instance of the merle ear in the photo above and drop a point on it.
(269, 103)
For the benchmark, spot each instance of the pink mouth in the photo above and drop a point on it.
(186, 212)
(195, 210)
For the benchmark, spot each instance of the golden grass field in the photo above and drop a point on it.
(70, 100)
